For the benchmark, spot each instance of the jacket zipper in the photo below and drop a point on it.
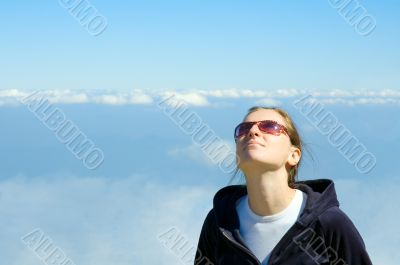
(241, 247)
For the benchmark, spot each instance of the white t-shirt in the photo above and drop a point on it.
(262, 233)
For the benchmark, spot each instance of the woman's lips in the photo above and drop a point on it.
(251, 143)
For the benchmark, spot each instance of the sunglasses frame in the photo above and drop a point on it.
(282, 128)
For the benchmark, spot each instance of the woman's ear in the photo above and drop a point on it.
(294, 156)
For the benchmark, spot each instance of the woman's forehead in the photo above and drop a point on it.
(265, 114)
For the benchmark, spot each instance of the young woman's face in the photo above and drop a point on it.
(269, 151)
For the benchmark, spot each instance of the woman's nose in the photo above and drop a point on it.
(254, 130)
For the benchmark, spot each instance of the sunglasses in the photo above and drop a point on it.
(266, 126)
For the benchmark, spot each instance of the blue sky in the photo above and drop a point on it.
(221, 58)
(198, 45)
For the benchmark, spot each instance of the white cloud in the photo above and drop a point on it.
(99, 220)
(227, 93)
(71, 99)
(189, 98)
(201, 98)
(268, 102)
(11, 93)
(360, 101)
(13, 96)
(251, 93)
(111, 100)
(141, 99)
(284, 93)
(118, 221)
(339, 93)
(372, 206)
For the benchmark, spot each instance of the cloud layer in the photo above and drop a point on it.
(99, 220)
(119, 221)
(204, 98)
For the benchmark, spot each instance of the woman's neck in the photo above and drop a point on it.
(269, 193)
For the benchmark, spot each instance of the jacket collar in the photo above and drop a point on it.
(321, 196)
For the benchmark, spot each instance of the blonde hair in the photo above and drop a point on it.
(294, 139)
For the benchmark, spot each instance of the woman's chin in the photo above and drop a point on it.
(253, 160)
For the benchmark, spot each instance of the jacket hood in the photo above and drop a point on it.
(321, 196)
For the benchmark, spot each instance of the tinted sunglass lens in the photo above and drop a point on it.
(269, 127)
(242, 129)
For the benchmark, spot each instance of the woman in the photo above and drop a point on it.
(274, 219)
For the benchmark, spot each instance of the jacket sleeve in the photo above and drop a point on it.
(206, 244)
(343, 238)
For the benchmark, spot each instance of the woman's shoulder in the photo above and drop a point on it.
(336, 223)
(209, 223)
(334, 217)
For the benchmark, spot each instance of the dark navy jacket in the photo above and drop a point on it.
(323, 234)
